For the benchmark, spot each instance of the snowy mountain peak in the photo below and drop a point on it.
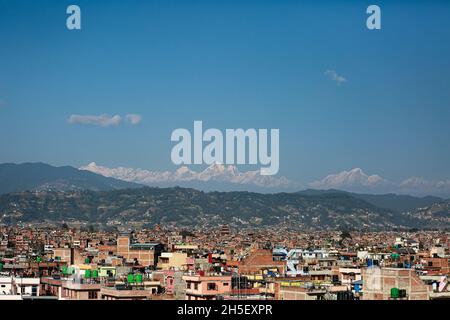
(356, 171)
(350, 179)
(216, 167)
(354, 180)
(215, 172)
(183, 170)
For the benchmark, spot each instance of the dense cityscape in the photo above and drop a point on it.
(227, 159)
(76, 261)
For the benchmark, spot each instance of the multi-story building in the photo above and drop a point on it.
(145, 254)
(393, 283)
(207, 287)
(172, 261)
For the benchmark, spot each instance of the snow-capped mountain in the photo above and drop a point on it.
(416, 185)
(356, 180)
(353, 179)
(220, 177)
(214, 173)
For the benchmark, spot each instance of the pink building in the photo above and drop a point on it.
(190, 263)
(169, 281)
(200, 287)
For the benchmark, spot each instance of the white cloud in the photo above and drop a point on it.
(134, 119)
(335, 77)
(101, 120)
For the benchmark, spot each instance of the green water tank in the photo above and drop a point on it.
(38, 259)
(95, 273)
(1, 266)
(139, 278)
(87, 261)
(130, 278)
(58, 258)
(87, 274)
(64, 269)
(395, 293)
(395, 256)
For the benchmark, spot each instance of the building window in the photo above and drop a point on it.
(92, 294)
(225, 284)
(212, 286)
(196, 286)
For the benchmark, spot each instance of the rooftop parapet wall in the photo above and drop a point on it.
(378, 282)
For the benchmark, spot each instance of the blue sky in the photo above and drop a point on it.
(231, 64)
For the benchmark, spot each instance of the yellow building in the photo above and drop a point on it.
(172, 261)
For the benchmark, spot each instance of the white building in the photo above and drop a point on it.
(14, 288)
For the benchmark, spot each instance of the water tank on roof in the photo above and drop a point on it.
(130, 278)
(64, 269)
(395, 293)
(395, 256)
(95, 273)
(87, 274)
(139, 278)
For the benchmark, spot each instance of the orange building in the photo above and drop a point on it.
(145, 254)
(259, 261)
